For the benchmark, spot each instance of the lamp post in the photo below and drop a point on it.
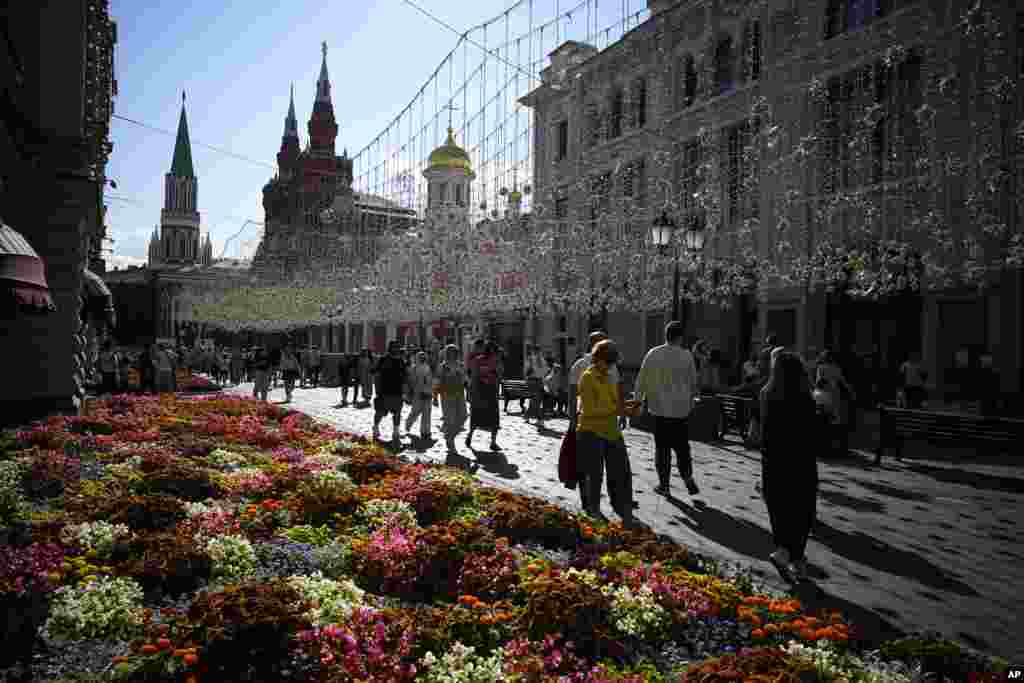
(662, 230)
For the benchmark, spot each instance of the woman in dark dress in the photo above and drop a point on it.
(485, 377)
(789, 469)
(345, 377)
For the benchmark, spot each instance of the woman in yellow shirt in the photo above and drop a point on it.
(599, 443)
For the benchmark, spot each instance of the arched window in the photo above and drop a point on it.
(723, 65)
(688, 81)
(458, 194)
(443, 192)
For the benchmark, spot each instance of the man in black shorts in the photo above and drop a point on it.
(392, 382)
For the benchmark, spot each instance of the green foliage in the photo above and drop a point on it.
(13, 505)
(318, 536)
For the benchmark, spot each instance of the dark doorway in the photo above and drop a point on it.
(509, 336)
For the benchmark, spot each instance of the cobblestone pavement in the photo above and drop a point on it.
(913, 544)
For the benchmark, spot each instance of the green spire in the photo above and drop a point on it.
(181, 166)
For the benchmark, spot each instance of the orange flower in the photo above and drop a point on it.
(771, 629)
(755, 620)
(808, 634)
(149, 649)
(190, 659)
(757, 633)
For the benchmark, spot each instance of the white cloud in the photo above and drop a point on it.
(117, 261)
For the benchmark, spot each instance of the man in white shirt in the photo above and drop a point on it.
(668, 381)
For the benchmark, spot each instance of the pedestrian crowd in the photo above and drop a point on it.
(671, 382)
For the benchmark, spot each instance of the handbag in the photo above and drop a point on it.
(567, 459)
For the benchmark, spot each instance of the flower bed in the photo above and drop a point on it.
(171, 538)
(197, 384)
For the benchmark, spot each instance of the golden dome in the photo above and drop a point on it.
(450, 155)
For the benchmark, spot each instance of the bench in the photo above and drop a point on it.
(515, 389)
(736, 413)
(896, 425)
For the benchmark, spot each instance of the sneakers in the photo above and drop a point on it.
(691, 486)
(780, 558)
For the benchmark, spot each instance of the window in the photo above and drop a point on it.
(842, 16)
(738, 170)
(833, 134)
(879, 135)
(615, 115)
(688, 82)
(443, 193)
(723, 65)
(633, 181)
(638, 102)
(561, 208)
(593, 124)
(458, 194)
(562, 139)
(752, 50)
(689, 174)
(600, 195)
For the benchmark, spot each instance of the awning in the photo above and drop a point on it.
(99, 300)
(23, 273)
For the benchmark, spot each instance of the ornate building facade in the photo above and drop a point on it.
(312, 215)
(57, 90)
(897, 98)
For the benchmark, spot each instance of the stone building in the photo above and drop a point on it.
(156, 299)
(623, 133)
(313, 218)
(57, 89)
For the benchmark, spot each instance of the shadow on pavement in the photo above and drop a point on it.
(497, 464)
(461, 462)
(976, 480)
(868, 627)
(883, 557)
(852, 502)
(739, 535)
(894, 492)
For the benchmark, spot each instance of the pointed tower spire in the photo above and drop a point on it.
(323, 84)
(181, 165)
(323, 130)
(291, 124)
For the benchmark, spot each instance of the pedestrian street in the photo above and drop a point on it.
(921, 543)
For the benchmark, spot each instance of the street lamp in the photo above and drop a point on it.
(662, 230)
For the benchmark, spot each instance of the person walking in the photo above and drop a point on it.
(421, 386)
(600, 447)
(290, 367)
(842, 396)
(110, 366)
(260, 370)
(164, 367)
(392, 382)
(668, 381)
(535, 370)
(486, 371)
(789, 469)
(450, 387)
(364, 369)
(913, 377)
(313, 360)
(345, 377)
(581, 365)
(553, 389)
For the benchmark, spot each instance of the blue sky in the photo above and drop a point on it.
(236, 59)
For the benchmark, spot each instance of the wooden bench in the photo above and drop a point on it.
(896, 425)
(515, 389)
(736, 413)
